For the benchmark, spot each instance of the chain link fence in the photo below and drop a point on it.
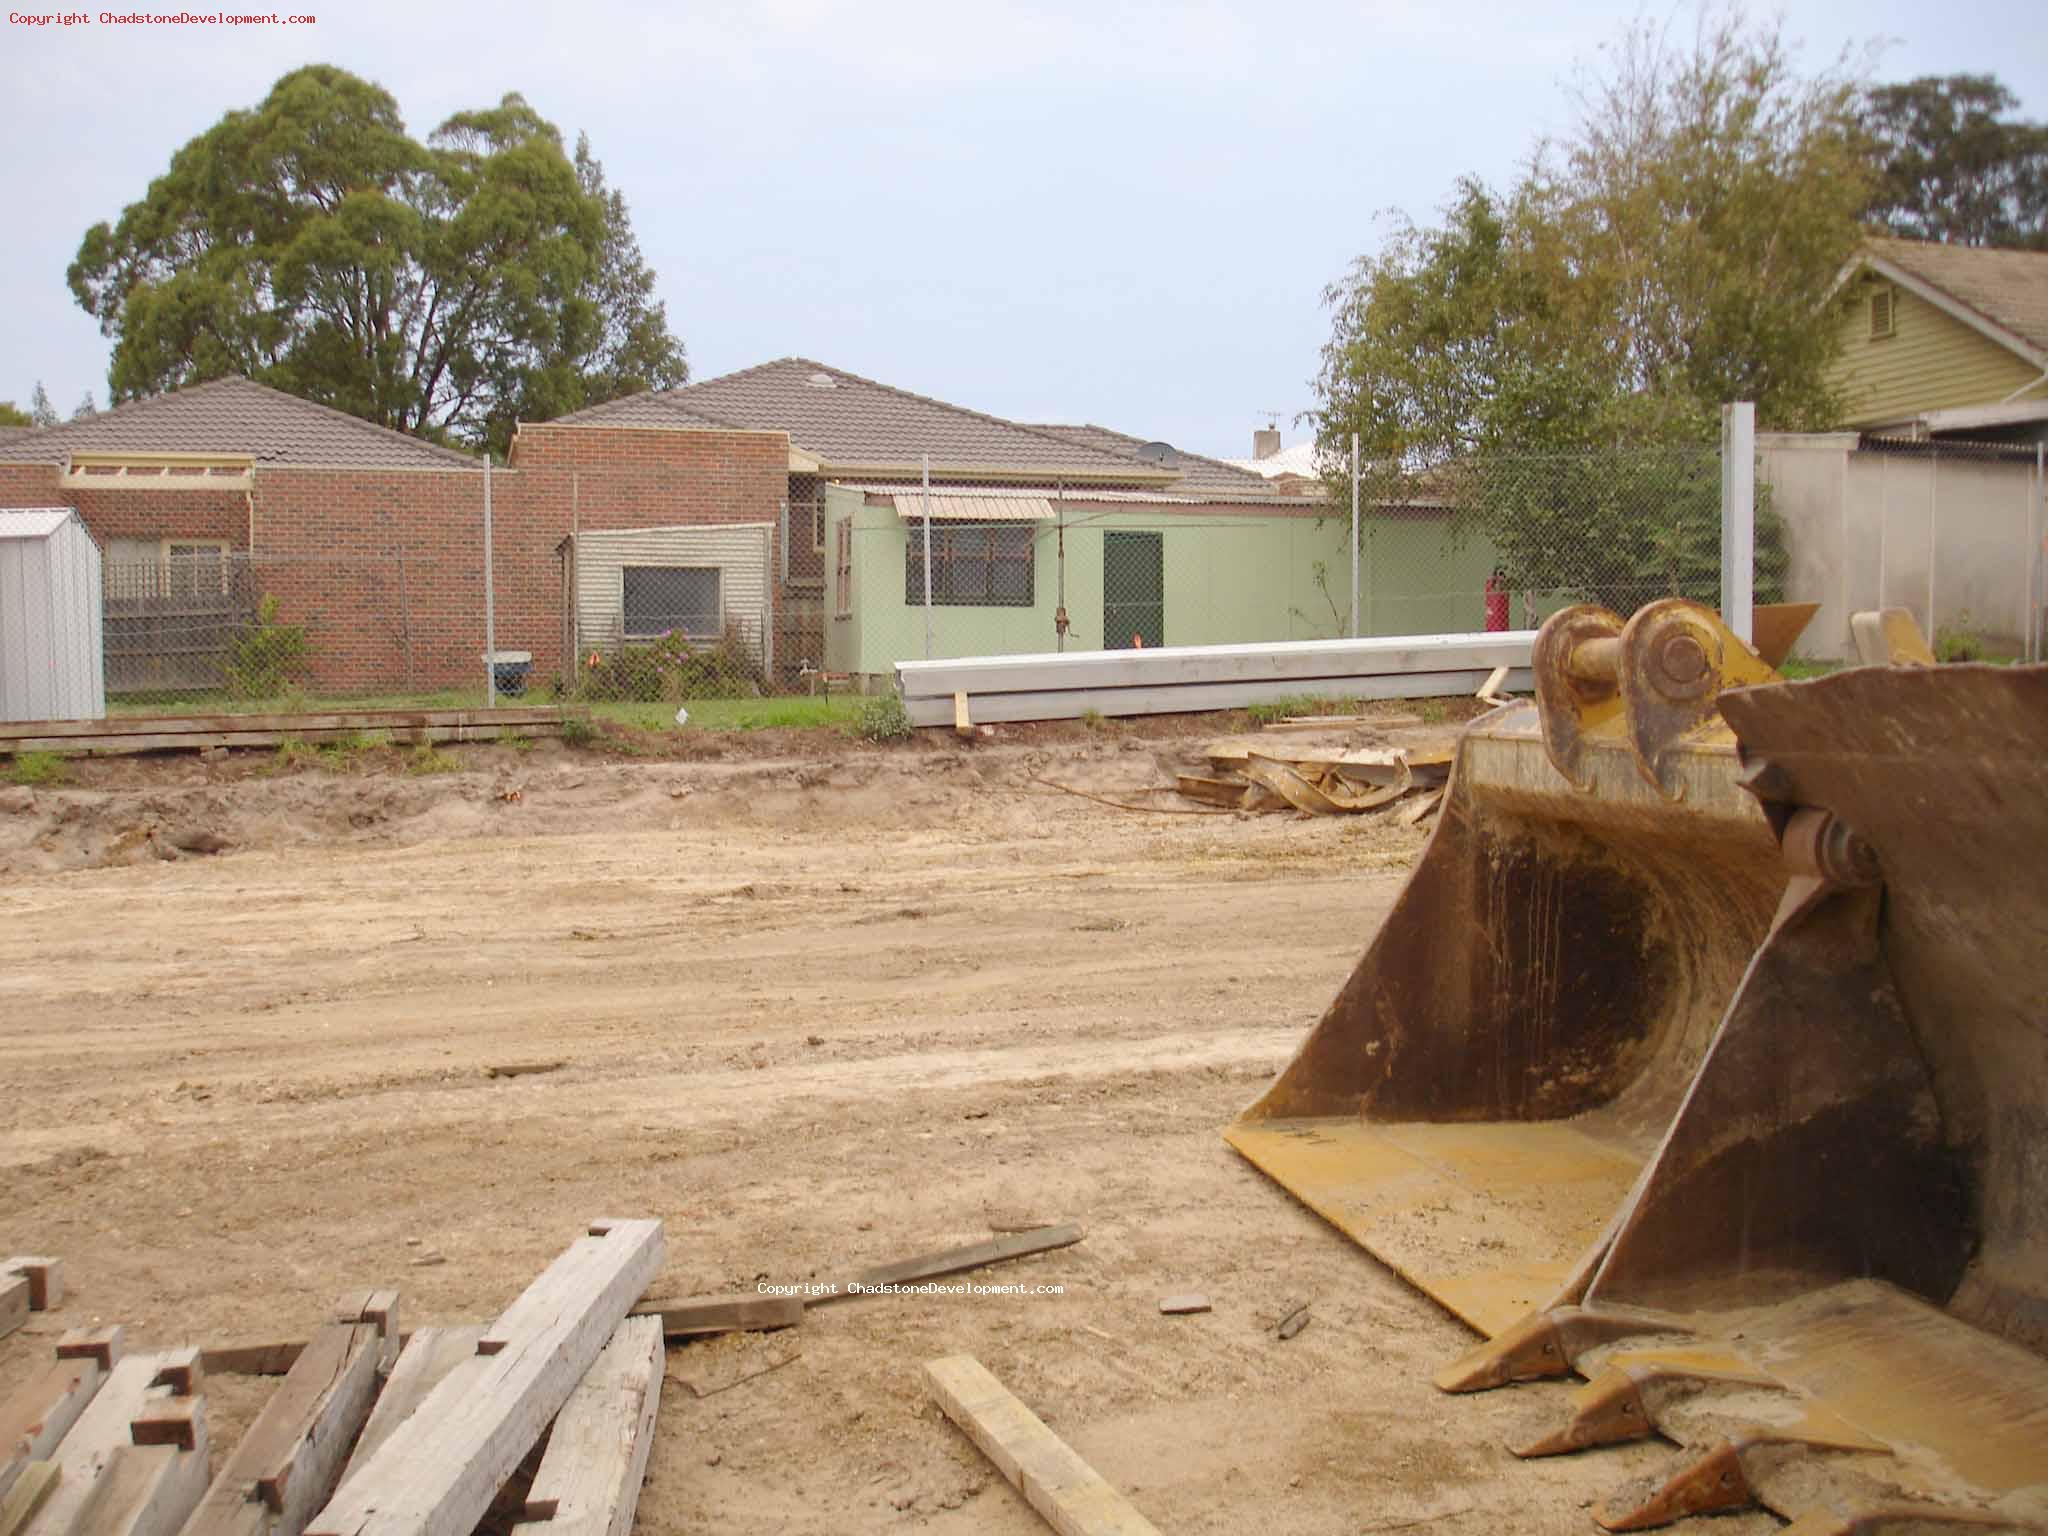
(840, 586)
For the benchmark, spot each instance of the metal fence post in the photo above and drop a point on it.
(927, 557)
(2037, 536)
(1738, 516)
(1933, 538)
(490, 598)
(1356, 631)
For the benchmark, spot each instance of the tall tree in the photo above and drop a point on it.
(448, 287)
(40, 411)
(84, 408)
(12, 415)
(1956, 165)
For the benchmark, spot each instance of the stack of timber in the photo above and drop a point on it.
(1180, 678)
(1258, 775)
(368, 1431)
(125, 734)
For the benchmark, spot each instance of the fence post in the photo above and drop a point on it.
(2037, 536)
(490, 598)
(1738, 517)
(1356, 631)
(927, 557)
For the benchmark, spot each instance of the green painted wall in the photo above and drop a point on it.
(1237, 576)
(1931, 362)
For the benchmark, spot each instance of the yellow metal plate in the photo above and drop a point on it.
(1486, 1218)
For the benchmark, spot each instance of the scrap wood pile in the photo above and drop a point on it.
(539, 1422)
(1256, 774)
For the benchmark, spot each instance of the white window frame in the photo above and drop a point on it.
(220, 548)
(669, 565)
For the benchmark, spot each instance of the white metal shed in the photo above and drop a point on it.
(51, 658)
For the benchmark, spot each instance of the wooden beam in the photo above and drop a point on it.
(36, 1418)
(685, 1317)
(992, 705)
(14, 1303)
(87, 1451)
(45, 1279)
(437, 1474)
(1063, 1488)
(20, 1503)
(104, 1345)
(590, 1475)
(289, 1461)
(273, 1359)
(427, 1359)
(953, 1261)
(525, 717)
(149, 1490)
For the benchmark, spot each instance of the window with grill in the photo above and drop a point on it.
(195, 568)
(659, 599)
(843, 586)
(1884, 319)
(981, 565)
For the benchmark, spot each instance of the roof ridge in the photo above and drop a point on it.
(353, 421)
(1184, 453)
(906, 394)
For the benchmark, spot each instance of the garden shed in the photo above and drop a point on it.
(51, 664)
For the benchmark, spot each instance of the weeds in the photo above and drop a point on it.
(518, 741)
(577, 731)
(883, 718)
(1092, 718)
(1958, 643)
(1297, 704)
(1430, 711)
(427, 758)
(36, 768)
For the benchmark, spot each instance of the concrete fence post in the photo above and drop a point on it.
(1738, 517)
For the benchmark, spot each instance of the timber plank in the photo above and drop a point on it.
(124, 744)
(86, 1452)
(291, 1456)
(14, 1307)
(35, 1419)
(427, 1359)
(439, 1471)
(953, 1261)
(273, 1359)
(45, 1279)
(1063, 1488)
(20, 1503)
(333, 720)
(1180, 698)
(694, 1316)
(149, 1490)
(590, 1475)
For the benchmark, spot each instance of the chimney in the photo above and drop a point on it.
(1265, 442)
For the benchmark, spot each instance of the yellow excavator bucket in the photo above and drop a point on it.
(1705, 1056)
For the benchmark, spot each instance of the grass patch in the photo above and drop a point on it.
(1296, 704)
(796, 713)
(36, 768)
(1798, 668)
(1430, 711)
(427, 758)
(518, 741)
(1092, 718)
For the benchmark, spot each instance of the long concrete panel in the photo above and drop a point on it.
(1181, 698)
(1176, 664)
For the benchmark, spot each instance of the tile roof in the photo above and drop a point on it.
(1300, 459)
(1198, 475)
(9, 433)
(2008, 288)
(235, 415)
(846, 420)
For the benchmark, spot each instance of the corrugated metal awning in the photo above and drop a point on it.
(976, 509)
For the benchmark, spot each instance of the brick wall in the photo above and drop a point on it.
(384, 568)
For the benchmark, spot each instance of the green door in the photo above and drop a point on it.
(1133, 590)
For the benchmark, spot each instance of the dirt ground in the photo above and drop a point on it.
(816, 1011)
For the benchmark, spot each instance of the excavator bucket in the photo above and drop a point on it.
(1825, 1276)
(1481, 1095)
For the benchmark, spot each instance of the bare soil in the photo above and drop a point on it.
(818, 1011)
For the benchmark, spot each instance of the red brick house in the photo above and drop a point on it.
(209, 498)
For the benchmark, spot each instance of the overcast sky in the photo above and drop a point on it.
(1083, 211)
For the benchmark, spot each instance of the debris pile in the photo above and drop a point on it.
(1261, 775)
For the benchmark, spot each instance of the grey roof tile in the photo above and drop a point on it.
(235, 415)
(845, 419)
(1197, 474)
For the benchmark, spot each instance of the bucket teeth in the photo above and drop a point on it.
(1606, 1410)
(1626, 1401)
(1703, 1483)
(1544, 1344)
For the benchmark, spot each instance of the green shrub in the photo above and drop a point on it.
(883, 718)
(577, 731)
(1958, 642)
(264, 654)
(672, 668)
(36, 768)
(427, 758)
